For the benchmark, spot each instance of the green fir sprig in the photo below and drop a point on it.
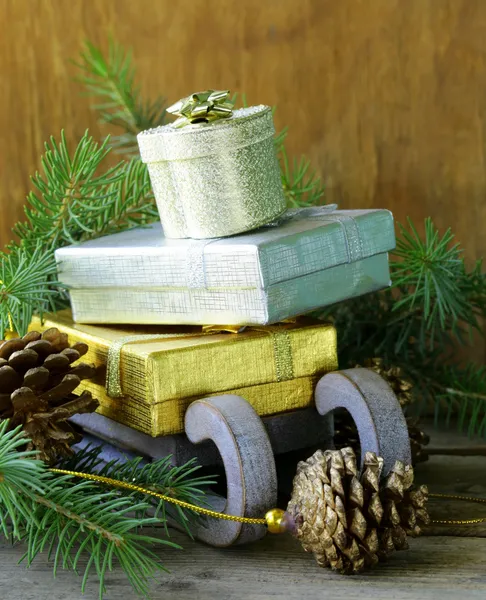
(27, 286)
(119, 102)
(433, 307)
(76, 197)
(82, 525)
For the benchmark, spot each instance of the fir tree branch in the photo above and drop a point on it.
(431, 275)
(80, 520)
(72, 520)
(70, 196)
(27, 285)
(434, 304)
(132, 205)
(22, 478)
(73, 201)
(112, 81)
(301, 184)
(160, 476)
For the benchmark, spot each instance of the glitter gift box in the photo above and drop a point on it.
(315, 257)
(215, 179)
(155, 373)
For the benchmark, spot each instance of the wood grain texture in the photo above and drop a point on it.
(388, 98)
(276, 567)
(242, 441)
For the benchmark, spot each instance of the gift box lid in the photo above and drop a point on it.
(244, 127)
(304, 242)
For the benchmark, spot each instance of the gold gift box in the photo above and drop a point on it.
(275, 368)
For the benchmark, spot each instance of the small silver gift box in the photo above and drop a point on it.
(215, 179)
(314, 257)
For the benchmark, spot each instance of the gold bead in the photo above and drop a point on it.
(276, 522)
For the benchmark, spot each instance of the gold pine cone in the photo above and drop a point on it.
(394, 376)
(350, 521)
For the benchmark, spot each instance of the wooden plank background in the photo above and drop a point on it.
(387, 97)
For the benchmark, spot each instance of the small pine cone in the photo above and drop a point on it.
(346, 434)
(350, 521)
(394, 376)
(38, 375)
(418, 440)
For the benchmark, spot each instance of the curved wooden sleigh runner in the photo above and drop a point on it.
(247, 454)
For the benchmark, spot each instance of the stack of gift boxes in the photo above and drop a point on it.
(205, 302)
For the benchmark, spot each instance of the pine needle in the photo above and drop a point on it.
(76, 197)
(434, 305)
(112, 81)
(84, 523)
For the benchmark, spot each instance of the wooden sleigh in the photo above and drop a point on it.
(247, 443)
(248, 457)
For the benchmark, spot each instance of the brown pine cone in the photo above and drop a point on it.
(394, 376)
(351, 521)
(345, 431)
(37, 380)
(418, 440)
(346, 434)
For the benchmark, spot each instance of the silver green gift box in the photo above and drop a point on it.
(217, 178)
(310, 258)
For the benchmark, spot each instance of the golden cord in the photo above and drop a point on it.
(251, 521)
(142, 490)
(458, 522)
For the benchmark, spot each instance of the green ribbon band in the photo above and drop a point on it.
(202, 107)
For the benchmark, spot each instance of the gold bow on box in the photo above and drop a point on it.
(202, 107)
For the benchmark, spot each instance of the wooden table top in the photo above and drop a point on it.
(435, 567)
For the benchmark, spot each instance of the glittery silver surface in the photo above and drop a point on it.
(215, 179)
(301, 245)
(191, 306)
(139, 276)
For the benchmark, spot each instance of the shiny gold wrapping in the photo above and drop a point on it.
(160, 378)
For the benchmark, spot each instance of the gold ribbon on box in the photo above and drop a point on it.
(202, 107)
(282, 350)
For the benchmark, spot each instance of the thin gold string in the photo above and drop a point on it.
(136, 488)
(252, 521)
(458, 522)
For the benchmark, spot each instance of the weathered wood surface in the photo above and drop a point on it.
(275, 567)
(386, 97)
